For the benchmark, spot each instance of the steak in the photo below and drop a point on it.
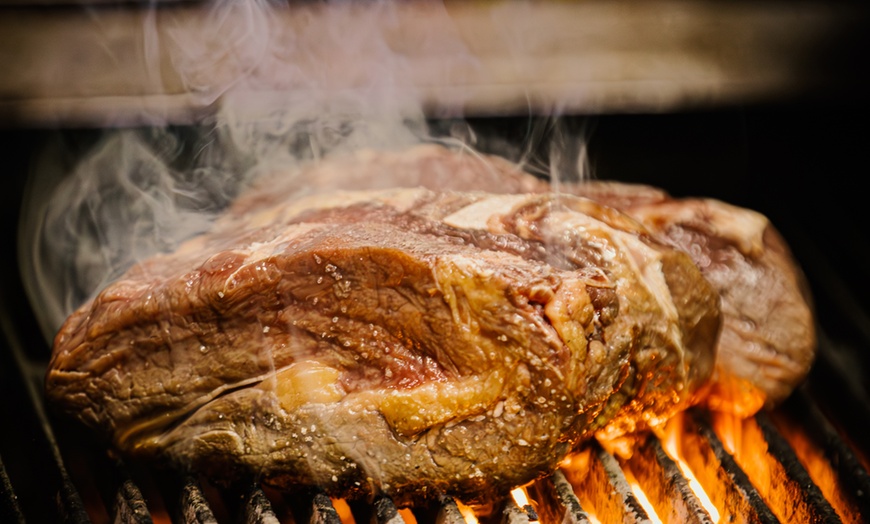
(768, 339)
(394, 341)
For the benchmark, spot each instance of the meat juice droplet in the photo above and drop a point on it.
(203, 349)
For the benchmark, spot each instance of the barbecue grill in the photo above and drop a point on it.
(789, 149)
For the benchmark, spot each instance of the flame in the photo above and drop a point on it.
(672, 444)
(818, 466)
(408, 516)
(592, 518)
(343, 510)
(467, 513)
(521, 497)
(641, 497)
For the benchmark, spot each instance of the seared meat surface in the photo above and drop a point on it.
(401, 341)
(431, 322)
(768, 339)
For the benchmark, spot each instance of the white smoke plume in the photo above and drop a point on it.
(287, 85)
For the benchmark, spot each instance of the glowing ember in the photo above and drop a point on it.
(467, 513)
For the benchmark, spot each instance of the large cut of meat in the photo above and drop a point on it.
(421, 323)
(398, 341)
(768, 340)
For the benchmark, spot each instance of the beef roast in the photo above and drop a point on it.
(402, 341)
(768, 339)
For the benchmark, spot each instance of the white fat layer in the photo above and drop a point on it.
(743, 227)
(642, 260)
(477, 215)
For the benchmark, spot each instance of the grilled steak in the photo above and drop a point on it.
(400, 341)
(338, 331)
(768, 341)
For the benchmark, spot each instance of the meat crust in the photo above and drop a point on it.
(400, 341)
(456, 330)
(768, 339)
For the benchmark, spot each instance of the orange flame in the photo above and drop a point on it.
(641, 497)
(467, 513)
(408, 516)
(673, 447)
(343, 510)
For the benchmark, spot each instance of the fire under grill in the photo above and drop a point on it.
(789, 465)
(806, 461)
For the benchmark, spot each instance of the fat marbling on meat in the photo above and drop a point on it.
(397, 341)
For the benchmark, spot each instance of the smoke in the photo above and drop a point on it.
(285, 85)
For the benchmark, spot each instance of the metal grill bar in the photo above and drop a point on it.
(194, 507)
(70, 508)
(556, 501)
(448, 512)
(602, 488)
(257, 508)
(10, 511)
(129, 505)
(665, 485)
(512, 514)
(797, 477)
(725, 483)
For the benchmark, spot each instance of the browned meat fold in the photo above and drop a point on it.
(401, 341)
(768, 339)
(432, 322)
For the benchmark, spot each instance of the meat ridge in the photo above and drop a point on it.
(323, 335)
(169, 340)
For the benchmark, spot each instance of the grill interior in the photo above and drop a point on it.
(807, 461)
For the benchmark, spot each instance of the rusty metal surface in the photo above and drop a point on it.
(257, 508)
(513, 514)
(448, 512)
(556, 502)
(386, 512)
(10, 510)
(130, 506)
(831, 463)
(792, 485)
